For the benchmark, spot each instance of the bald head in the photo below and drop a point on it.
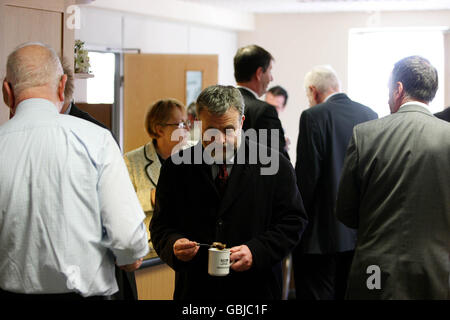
(34, 71)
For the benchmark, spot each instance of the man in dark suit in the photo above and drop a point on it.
(253, 73)
(444, 115)
(218, 194)
(395, 190)
(69, 106)
(322, 259)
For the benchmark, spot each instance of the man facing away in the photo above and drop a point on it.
(395, 191)
(68, 209)
(253, 73)
(230, 200)
(444, 114)
(322, 259)
(69, 106)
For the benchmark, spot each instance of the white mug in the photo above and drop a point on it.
(218, 262)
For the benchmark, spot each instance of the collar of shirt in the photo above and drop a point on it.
(333, 94)
(215, 168)
(415, 103)
(35, 103)
(250, 90)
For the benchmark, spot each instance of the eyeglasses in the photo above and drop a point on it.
(181, 125)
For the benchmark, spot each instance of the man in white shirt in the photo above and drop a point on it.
(395, 191)
(68, 211)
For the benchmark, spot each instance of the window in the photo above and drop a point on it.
(373, 53)
(100, 88)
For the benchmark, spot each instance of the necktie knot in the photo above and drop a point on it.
(223, 173)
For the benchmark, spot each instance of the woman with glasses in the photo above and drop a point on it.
(167, 125)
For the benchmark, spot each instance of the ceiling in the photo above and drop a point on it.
(298, 6)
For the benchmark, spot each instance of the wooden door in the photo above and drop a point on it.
(33, 20)
(149, 77)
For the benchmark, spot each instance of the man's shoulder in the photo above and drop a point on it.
(77, 112)
(85, 131)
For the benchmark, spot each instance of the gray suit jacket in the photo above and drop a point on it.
(395, 189)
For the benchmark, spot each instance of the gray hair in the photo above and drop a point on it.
(418, 76)
(322, 78)
(219, 99)
(26, 71)
(70, 84)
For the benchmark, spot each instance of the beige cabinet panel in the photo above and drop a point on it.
(36, 20)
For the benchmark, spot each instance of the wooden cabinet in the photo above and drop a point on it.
(155, 283)
(33, 20)
(149, 77)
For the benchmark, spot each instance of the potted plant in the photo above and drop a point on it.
(81, 58)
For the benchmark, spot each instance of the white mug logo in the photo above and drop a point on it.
(74, 20)
(374, 281)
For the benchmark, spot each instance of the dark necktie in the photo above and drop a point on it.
(221, 179)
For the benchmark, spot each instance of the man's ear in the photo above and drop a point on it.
(259, 73)
(400, 89)
(315, 94)
(62, 87)
(399, 95)
(242, 120)
(8, 95)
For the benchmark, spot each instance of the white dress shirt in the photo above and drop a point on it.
(415, 103)
(67, 207)
(249, 90)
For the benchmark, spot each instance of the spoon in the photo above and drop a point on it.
(216, 245)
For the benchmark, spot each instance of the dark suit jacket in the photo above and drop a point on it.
(444, 115)
(325, 132)
(261, 115)
(264, 212)
(76, 112)
(395, 189)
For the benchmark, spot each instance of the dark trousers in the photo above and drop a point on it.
(321, 276)
(127, 285)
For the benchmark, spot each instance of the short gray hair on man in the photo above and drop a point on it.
(418, 76)
(322, 78)
(70, 84)
(218, 99)
(24, 71)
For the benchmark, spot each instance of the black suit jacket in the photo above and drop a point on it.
(76, 112)
(264, 212)
(325, 131)
(444, 115)
(261, 115)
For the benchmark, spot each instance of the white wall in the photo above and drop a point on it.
(115, 29)
(300, 41)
